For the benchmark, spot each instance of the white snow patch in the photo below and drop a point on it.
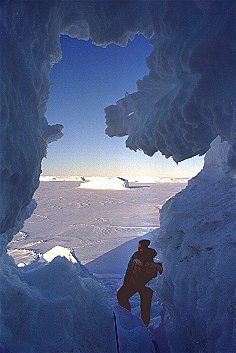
(60, 251)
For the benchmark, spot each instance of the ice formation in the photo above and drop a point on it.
(180, 107)
(104, 183)
(197, 237)
(188, 97)
(60, 251)
(53, 307)
(190, 85)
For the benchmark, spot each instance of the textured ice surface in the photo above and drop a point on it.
(137, 340)
(188, 97)
(180, 107)
(197, 237)
(53, 308)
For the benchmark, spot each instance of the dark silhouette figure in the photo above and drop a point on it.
(141, 269)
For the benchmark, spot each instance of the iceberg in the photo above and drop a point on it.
(104, 183)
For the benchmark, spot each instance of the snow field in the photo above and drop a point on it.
(92, 222)
(108, 265)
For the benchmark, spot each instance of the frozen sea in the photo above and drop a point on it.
(92, 222)
(102, 226)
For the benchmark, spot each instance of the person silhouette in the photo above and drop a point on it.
(141, 269)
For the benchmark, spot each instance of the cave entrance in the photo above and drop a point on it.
(87, 79)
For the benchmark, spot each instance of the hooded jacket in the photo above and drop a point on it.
(141, 268)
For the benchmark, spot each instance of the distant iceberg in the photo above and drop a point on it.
(105, 183)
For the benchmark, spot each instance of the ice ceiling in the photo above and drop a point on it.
(187, 99)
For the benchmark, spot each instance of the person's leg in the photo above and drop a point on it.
(123, 295)
(145, 304)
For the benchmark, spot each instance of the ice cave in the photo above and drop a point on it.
(184, 107)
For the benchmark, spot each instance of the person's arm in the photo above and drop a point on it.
(128, 270)
(152, 271)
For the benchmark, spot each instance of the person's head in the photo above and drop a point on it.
(143, 245)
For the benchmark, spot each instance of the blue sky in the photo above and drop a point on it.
(87, 79)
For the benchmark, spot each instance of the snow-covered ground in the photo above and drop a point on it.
(103, 227)
(92, 222)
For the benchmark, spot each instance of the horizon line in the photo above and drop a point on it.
(116, 176)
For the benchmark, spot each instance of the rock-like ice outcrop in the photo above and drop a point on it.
(53, 307)
(188, 98)
(197, 238)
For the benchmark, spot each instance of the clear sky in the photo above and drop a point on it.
(87, 79)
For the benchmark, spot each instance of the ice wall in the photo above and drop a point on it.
(180, 107)
(30, 32)
(198, 239)
(188, 98)
(28, 53)
(48, 308)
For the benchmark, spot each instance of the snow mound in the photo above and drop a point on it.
(51, 307)
(106, 184)
(60, 251)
